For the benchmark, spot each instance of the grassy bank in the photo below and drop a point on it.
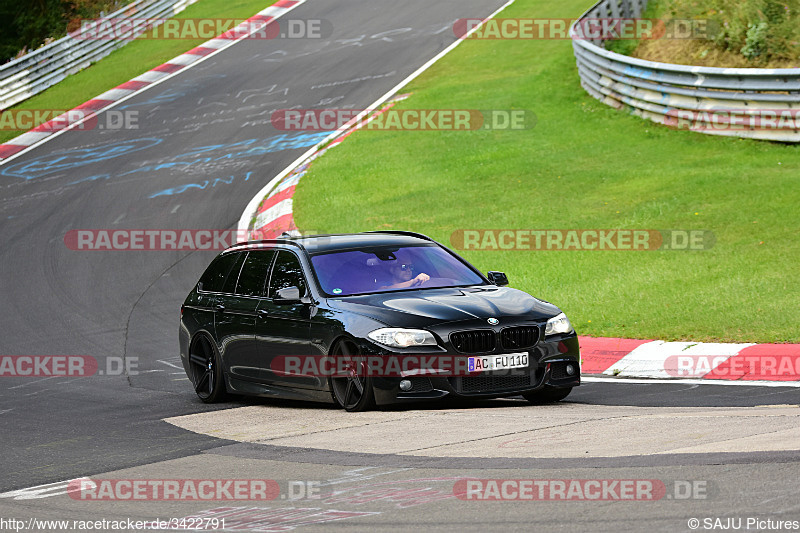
(722, 33)
(583, 166)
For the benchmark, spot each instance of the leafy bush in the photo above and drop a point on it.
(26, 25)
(759, 30)
(756, 41)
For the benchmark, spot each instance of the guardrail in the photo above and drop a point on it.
(757, 103)
(34, 72)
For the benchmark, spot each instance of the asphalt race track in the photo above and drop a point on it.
(203, 148)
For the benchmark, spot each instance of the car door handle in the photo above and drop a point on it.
(263, 313)
(219, 308)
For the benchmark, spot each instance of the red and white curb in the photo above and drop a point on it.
(110, 98)
(630, 358)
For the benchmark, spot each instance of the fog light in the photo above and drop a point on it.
(570, 370)
(405, 385)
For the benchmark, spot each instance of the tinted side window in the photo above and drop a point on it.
(287, 272)
(253, 278)
(233, 276)
(213, 279)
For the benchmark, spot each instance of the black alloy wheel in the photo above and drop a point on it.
(353, 392)
(205, 370)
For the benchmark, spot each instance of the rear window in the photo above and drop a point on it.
(391, 268)
(233, 275)
(253, 277)
(213, 279)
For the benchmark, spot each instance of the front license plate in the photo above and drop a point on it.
(498, 362)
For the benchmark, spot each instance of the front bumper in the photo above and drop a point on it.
(548, 361)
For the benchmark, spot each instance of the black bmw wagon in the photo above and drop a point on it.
(369, 318)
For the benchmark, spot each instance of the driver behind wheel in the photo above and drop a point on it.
(403, 277)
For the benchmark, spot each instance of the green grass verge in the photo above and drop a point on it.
(584, 165)
(133, 59)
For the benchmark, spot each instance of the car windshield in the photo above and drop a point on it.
(390, 268)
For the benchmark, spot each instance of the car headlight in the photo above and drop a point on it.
(558, 324)
(402, 338)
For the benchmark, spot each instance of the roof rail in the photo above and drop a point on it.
(287, 238)
(277, 240)
(401, 232)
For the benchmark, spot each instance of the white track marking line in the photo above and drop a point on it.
(169, 364)
(741, 383)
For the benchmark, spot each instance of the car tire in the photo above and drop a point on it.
(352, 393)
(547, 394)
(205, 370)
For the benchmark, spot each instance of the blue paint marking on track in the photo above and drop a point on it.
(92, 178)
(65, 160)
(180, 189)
(177, 91)
(206, 183)
(237, 150)
(163, 98)
(247, 148)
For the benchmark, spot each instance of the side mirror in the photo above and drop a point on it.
(498, 278)
(286, 296)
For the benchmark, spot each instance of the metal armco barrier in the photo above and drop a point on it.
(34, 72)
(756, 103)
